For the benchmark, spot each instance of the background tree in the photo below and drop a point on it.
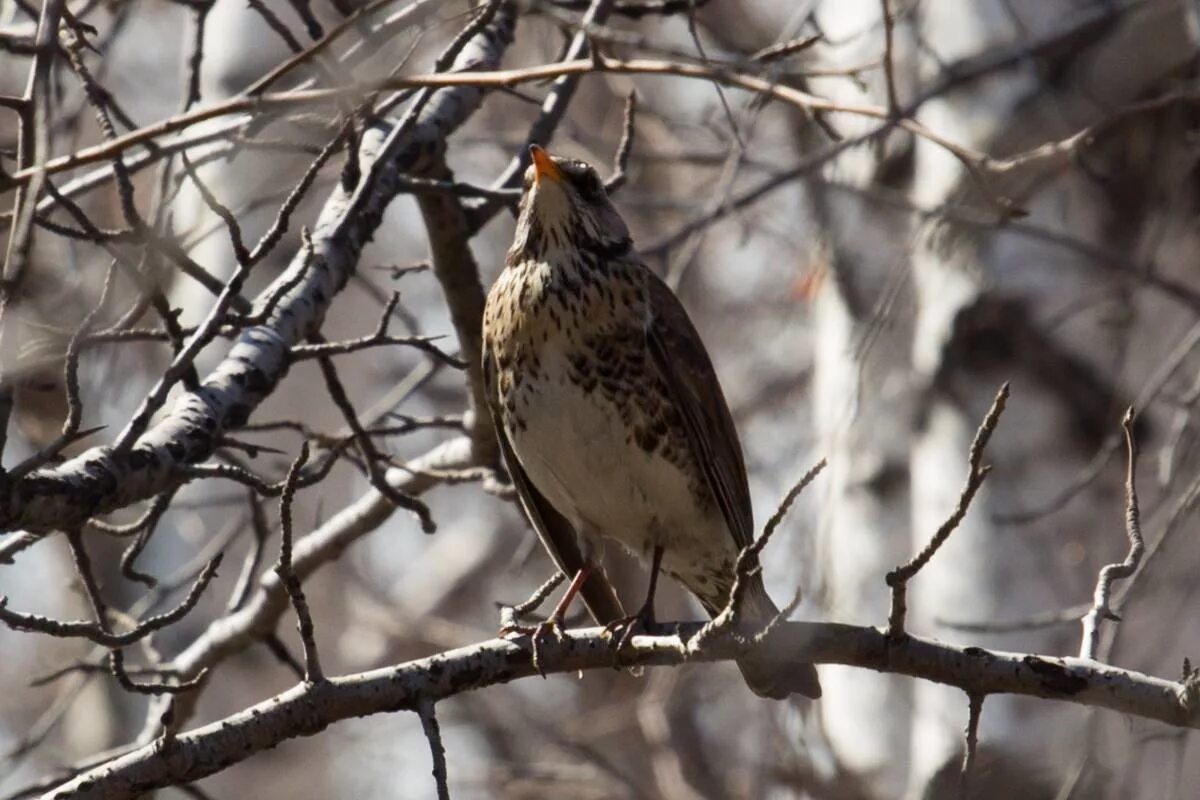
(239, 318)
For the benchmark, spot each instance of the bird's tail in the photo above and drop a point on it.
(767, 672)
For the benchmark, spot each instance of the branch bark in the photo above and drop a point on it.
(101, 479)
(308, 709)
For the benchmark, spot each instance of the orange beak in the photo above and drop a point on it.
(544, 166)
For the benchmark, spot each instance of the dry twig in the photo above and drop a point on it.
(971, 742)
(1100, 609)
(898, 578)
(287, 575)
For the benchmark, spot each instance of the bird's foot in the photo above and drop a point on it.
(621, 631)
(552, 626)
(536, 633)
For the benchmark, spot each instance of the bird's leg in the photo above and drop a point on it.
(645, 615)
(560, 611)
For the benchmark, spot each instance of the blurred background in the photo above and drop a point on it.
(863, 293)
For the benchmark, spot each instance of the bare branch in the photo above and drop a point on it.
(1100, 609)
(378, 339)
(116, 657)
(95, 632)
(898, 578)
(554, 108)
(728, 622)
(889, 65)
(783, 50)
(260, 610)
(371, 456)
(70, 428)
(624, 147)
(309, 708)
(151, 520)
(971, 741)
(786, 503)
(433, 733)
(510, 616)
(287, 575)
(33, 150)
(980, 167)
(103, 479)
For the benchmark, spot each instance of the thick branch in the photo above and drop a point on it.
(308, 709)
(101, 480)
(457, 273)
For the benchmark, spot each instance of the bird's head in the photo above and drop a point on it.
(564, 208)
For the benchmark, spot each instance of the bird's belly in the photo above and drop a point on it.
(578, 450)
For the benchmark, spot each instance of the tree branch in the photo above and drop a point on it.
(1101, 609)
(309, 708)
(100, 480)
(977, 471)
(259, 613)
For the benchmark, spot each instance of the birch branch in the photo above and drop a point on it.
(307, 709)
(101, 480)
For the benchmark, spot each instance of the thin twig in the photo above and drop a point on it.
(974, 710)
(786, 503)
(747, 567)
(246, 578)
(277, 25)
(283, 655)
(33, 142)
(782, 50)
(371, 456)
(379, 338)
(433, 734)
(287, 576)
(510, 616)
(152, 518)
(980, 166)
(70, 427)
(889, 65)
(232, 226)
(624, 147)
(95, 631)
(1100, 609)
(1166, 370)
(195, 60)
(899, 577)
(554, 108)
(116, 656)
(704, 59)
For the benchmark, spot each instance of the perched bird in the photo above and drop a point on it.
(609, 414)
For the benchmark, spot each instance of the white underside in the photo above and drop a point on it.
(575, 452)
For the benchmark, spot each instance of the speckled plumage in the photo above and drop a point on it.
(609, 413)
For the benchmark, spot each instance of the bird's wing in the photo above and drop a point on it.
(556, 533)
(678, 352)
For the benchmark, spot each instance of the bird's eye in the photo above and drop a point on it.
(589, 185)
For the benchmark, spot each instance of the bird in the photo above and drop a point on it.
(610, 419)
